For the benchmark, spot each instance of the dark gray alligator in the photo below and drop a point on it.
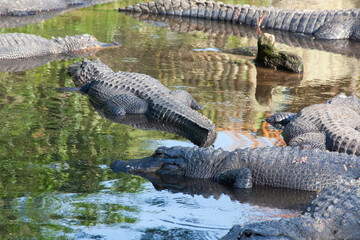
(322, 24)
(31, 7)
(283, 167)
(333, 125)
(120, 93)
(334, 214)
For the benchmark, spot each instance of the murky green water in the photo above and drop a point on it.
(55, 149)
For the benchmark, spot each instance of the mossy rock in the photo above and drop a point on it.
(269, 56)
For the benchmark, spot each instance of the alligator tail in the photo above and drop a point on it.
(194, 126)
(297, 21)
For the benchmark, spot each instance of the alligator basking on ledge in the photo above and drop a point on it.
(283, 167)
(20, 51)
(121, 93)
(333, 125)
(322, 24)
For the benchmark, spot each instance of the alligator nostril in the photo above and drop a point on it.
(247, 233)
(158, 154)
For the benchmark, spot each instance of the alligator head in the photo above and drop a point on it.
(181, 161)
(83, 72)
(80, 43)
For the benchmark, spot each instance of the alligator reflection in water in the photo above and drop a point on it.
(143, 123)
(260, 196)
(175, 23)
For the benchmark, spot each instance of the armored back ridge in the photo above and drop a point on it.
(120, 93)
(324, 24)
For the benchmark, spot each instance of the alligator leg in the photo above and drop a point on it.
(125, 103)
(185, 98)
(309, 140)
(238, 178)
(281, 119)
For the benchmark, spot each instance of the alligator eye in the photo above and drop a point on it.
(158, 154)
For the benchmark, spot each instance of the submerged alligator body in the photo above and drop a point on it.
(31, 7)
(322, 24)
(121, 93)
(283, 167)
(21, 45)
(333, 125)
(334, 214)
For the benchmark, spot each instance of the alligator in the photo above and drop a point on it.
(321, 24)
(21, 45)
(121, 93)
(333, 214)
(20, 51)
(282, 167)
(279, 198)
(333, 125)
(31, 7)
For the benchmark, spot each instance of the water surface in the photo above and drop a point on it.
(55, 149)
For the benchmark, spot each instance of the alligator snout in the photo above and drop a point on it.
(121, 166)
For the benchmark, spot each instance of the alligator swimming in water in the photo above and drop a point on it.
(120, 93)
(20, 51)
(31, 7)
(283, 167)
(334, 214)
(21, 45)
(333, 125)
(321, 24)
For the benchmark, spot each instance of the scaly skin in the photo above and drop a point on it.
(21, 45)
(334, 214)
(322, 24)
(283, 167)
(120, 93)
(333, 125)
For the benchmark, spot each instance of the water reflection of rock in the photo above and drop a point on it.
(143, 123)
(260, 196)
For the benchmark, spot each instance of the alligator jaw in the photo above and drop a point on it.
(106, 45)
(154, 163)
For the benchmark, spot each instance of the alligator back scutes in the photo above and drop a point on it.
(20, 45)
(297, 21)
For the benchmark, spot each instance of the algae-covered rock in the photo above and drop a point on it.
(269, 56)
